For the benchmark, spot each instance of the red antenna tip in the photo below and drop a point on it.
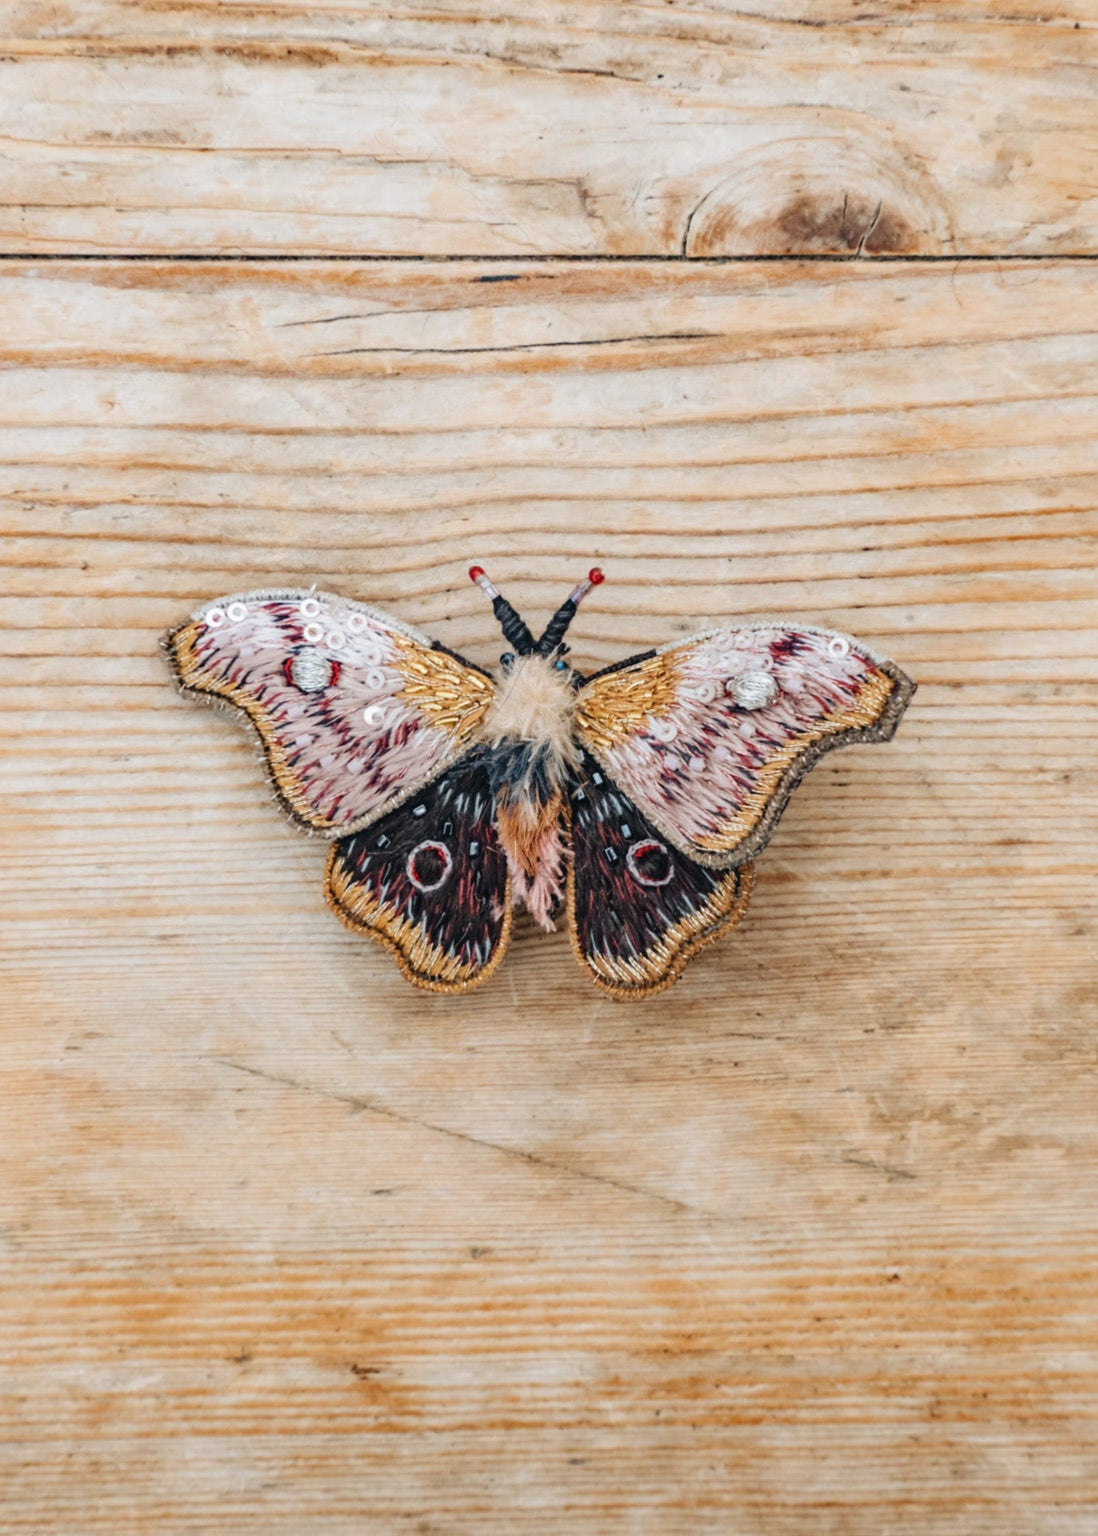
(595, 576)
(476, 572)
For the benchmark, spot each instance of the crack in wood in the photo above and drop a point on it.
(374, 1107)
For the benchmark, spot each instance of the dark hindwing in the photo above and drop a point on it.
(429, 881)
(638, 908)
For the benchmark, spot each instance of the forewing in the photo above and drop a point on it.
(429, 882)
(638, 907)
(711, 736)
(354, 710)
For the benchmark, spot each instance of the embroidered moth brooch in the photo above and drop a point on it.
(635, 797)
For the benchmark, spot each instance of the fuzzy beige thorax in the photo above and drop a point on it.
(535, 703)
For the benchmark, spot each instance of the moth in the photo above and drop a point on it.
(634, 798)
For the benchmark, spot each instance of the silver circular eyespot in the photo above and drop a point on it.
(752, 690)
(839, 645)
(310, 671)
(649, 862)
(428, 865)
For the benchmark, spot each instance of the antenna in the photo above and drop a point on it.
(556, 628)
(515, 631)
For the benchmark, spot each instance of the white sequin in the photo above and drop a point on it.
(356, 623)
(705, 693)
(215, 618)
(376, 679)
(313, 632)
(662, 730)
(373, 714)
(236, 612)
(752, 690)
(334, 640)
(839, 645)
(310, 608)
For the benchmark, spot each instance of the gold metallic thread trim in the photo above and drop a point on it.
(616, 707)
(449, 696)
(422, 963)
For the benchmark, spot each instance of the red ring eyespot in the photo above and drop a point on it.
(428, 866)
(650, 863)
(595, 576)
(476, 572)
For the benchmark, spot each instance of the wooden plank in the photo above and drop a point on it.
(458, 128)
(806, 1245)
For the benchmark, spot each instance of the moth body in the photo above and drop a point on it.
(528, 733)
(534, 703)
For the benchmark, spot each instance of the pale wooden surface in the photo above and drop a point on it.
(806, 1245)
(456, 126)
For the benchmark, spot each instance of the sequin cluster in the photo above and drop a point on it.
(728, 716)
(354, 714)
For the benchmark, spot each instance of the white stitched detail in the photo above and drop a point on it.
(752, 690)
(310, 671)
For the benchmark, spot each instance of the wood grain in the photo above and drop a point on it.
(806, 1245)
(456, 127)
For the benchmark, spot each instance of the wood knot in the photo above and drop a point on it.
(818, 197)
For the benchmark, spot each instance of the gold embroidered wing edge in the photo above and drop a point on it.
(270, 754)
(635, 981)
(879, 727)
(424, 964)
